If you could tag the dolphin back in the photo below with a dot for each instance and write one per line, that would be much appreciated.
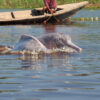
(28, 42)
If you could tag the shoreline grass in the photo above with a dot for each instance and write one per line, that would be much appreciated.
(22, 4)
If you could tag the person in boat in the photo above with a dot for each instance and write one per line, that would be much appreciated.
(50, 6)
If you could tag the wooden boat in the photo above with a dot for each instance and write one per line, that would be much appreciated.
(39, 16)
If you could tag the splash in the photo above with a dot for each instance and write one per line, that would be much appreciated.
(66, 50)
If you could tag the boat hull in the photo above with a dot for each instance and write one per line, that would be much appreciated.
(28, 17)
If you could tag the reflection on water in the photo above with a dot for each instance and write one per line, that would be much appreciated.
(51, 77)
(50, 28)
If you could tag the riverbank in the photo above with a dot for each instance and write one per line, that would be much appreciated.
(22, 4)
(93, 6)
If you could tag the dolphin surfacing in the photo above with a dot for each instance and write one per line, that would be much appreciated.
(46, 43)
(59, 40)
(28, 42)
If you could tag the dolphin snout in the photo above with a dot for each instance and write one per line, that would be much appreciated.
(75, 47)
(78, 49)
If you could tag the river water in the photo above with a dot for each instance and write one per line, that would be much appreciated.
(62, 77)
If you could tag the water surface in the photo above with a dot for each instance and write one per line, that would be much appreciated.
(62, 77)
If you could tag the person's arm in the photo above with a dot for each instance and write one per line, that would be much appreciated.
(46, 4)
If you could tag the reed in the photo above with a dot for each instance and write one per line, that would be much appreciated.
(35, 3)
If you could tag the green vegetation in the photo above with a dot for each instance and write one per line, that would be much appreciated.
(39, 3)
